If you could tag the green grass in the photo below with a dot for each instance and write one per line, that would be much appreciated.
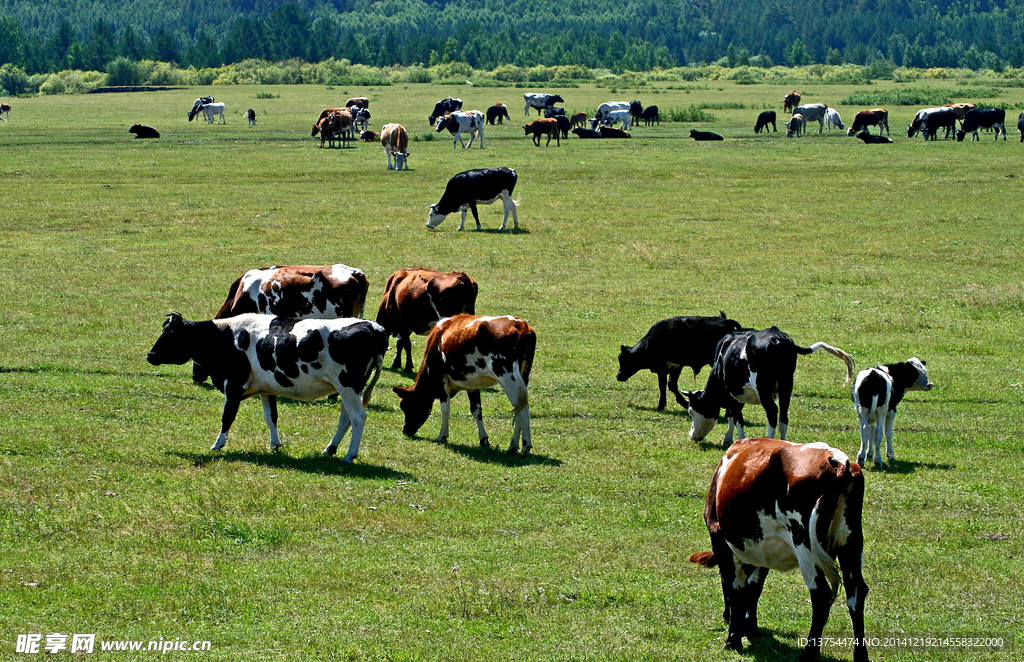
(116, 519)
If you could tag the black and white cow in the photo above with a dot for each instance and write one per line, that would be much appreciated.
(672, 344)
(876, 393)
(942, 118)
(459, 122)
(444, 107)
(982, 118)
(541, 101)
(554, 111)
(269, 356)
(250, 116)
(918, 123)
(197, 106)
(752, 367)
(468, 189)
(763, 120)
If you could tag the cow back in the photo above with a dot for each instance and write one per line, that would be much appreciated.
(298, 292)
(415, 299)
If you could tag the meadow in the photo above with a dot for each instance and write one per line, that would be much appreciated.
(116, 518)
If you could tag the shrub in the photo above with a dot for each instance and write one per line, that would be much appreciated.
(14, 81)
(124, 72)
(690, 114)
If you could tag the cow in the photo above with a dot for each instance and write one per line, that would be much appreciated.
(554, 111)
(250, 116)
(983, 118)
(796, 125)
(197, 105)
(541, 101)
(871, 139)
(813, 112)
(791, 101)
(650, 115)
(590, 133)
(361, 119)
(636, 109)
(704, 135)
(577, 120)
(497, 112)
(611, 132)
(212, 110)
(833, 120)
(940, 118)
(468, 353)
(672, 344)
(876, 393)
(1020, 126)
(5, 109)
(416, 299)
(395, 141)
(358, 102)
(865, 118)
(142, 131)
(369, 137)
(961, 108)
(458, 123)
(752, 367)
(336, 126)
(763, 120)
(468, 189)
(323, 115)
(612, 117)
(921, 118)
(776, 505)
(444, 107)
(268, 356)
(607, 108)
(537, 128)
(563, 125)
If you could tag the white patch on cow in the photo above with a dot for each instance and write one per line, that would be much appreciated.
(342, 272)
(701, 425)
(839, 455)
(749, 393)
(774, 549)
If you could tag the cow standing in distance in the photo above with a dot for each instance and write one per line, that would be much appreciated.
(361, 119)
(796, 125)
(921, 117)
(270, 357)
(468, 353)
(458, 123)
(1020, 126)
(612, 117)
(650, 116)
(876, 394)
(776, 505)
(636, 109)
(672, 344)
(395, 141)
(541, 101)
(197, 105)
(5, 109)
(875, 117)
(358, 102)
(763, 120)
(497, 112)
(578, 120)
(813, 112)
(213, 110)
(605, 110)
(984, 118)
(752, 367)
(444, 107)
(791, 101)
(416, 299)
(468, 189)
(833, 120)
(250, 116)
(547, 126)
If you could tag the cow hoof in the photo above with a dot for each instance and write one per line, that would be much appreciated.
(734, 644)
(331, 450)
(661, 406)
(347, 459)
(485, 442)
(891, 457)
(525, 453)
(408, 369)
(441, 440)
(275, 449)
(860, 460)
(512, 451)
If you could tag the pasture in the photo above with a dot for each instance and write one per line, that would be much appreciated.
(116, 518)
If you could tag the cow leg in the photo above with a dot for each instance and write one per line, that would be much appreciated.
(515, 388)
(673, 385)
(476, 216)
(199, 374)
(734, 415)
(270, 416)
(890, 416)
(477, 410)
(408, 354)
(785, 395)
(662, 382)
(388, 152)
(734, 584)
(771, 410)
(851, 560)
(510, 206)
(227, 417)
(867, 433)
(755, 584)
(462, 223)
(821, 599)
(445, 398)
(352, 412)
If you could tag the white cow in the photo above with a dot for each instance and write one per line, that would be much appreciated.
(395, 141)
(813, 112)
(611, 117)
(833, 120)
(211, 110)
(541, 101)
(459, 122)
(608, 107)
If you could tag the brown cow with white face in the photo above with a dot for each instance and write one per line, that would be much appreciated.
(776, 505)
(416, 299)
(395, 141)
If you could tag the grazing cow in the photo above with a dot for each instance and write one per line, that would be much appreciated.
(212, 110)
(458, 123)
(5, 109)
(921, 118)
(704, 135)
(984, 118)
(197, 105)
(497, 112)
(537, 128)
(142, 131)
(554, 111)
(650, 115)
(872, 139)
(444, 107)
(876, 393)
(865, 118)
(358, 102)
(269, 356)
(961, 108)
(468, 189)
(776, 505)
(416, 299)
(395, 141)
(369, 136)
(796, 125)
(250, 115)
(813, 112)
(590, 133)
(611, 132)
(361, 120)
(763, 120)
(468, 353)
(940, 118)
(612, 117)
(606, 108)
(672, 344)
(833, 120)
(791, 101)
(541, 101)
(752, 367)
(578, 120)
(1020, 126)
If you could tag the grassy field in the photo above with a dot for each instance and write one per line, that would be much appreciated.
(116, 519)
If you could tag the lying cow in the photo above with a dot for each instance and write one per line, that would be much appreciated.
(142, 131)
(468, 353)
(586, 133)
(612, 132)
(752, 367)
(876, 393)
(763, 120)
(875, 117)
(416, 299)
(547, 126)
(395, 141)
(496, 113)
(672, 344)
(269, 356)
(776, 505)
(871, 139)
(704, 135)
(554, 111)
(369, 136)
(458, 123)
(468, 189)
(983, 118)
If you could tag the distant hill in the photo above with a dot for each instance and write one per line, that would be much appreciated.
(42, 35)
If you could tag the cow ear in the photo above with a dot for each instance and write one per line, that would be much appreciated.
(624, 348)
(722, 313)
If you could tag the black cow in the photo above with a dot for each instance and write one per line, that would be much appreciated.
(197, 105)
(590, 133)
(672, 344)
(444, 107)
(650, 115)
(142, 131)
(944, 118)
(704, 135)
(497, 112)
(763, 120)
(554, 111)
(269, 356)
(751, 367)
(876, 393)
(872, 139)
(250, 115)
(984, 118)
(563, 125)
(1020, 126)
(468, 189)
(636, 110)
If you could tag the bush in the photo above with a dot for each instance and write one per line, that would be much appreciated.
(70, 82)
(124, 72)
(510, 73)
(415, 74)
(14, 81)
(917, 96)
(691, 114)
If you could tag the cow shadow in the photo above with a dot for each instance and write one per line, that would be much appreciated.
(770, 648)
(312, 464)
(904, 467)
(680, 413)
(495, 454)
(505, 231)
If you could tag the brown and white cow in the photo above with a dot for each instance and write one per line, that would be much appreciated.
(395, 141)
(468, 353)
(416, 299)
(961, 108)
(791, 101)
(323, 115)
(358, 102)
(776, 505)
(5, 109)
(875, 117)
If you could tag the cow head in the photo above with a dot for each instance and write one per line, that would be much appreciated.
(921, 383)
(554, 98)
(703, 414)
(435, 218)
(628, 364)
(960, 133)
(172, 346)
(415, 406)
(442, 123)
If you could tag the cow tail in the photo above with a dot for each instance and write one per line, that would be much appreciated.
(525, 347)
(225, 310)
(706, 559)
(377, 367)
(822, 559)
(834, 351)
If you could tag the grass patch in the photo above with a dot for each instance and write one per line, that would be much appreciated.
(917, 96)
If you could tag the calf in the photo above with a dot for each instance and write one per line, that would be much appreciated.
(269, 356)
(590, 133)
(876, 393)
(791, 101)
(5, 109)
(468, 189)
(250, 115)
(650, 115)
(468, 353)
(416, 299)
(458, 123)
(752, 367)
(578, 120)
(983, 118)
(796, 125)
(833, 120)
(497, 112)
(537, 128)
(444, 107)
(369, 137)
(361, 119)
(611, 132)
(142, 131)
(776, 505)
(872, 139)
(763, 120)
(672, 344)
(395, 141)
(874, 117)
